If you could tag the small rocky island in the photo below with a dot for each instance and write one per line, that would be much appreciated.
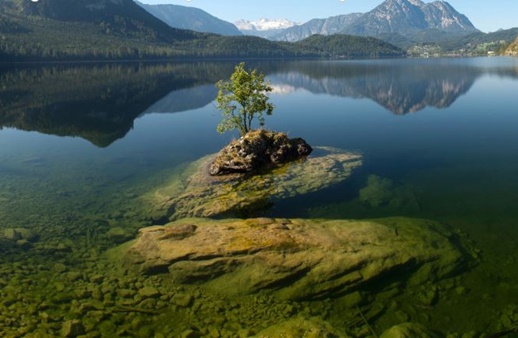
(259, 150)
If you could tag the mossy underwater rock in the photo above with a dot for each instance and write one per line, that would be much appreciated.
(258, 150)
(196, 193)
(383, 192)
(300, 327)
(294, 258)
(409, 330)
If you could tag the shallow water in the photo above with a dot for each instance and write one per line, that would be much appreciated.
(80, 145)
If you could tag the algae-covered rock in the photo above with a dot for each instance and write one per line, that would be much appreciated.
(72, 328)
(383, 192)
(118, 235)
(409, 330)
(295, 259)
(17, 234)
(257, 150)
(196, 193)
(377, 192)
(300, 327)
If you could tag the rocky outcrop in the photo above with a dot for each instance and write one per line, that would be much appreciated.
(258, 150)
(295, 259)
(195, 193)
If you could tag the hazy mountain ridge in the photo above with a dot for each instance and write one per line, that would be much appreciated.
(190, 18)
(329, 26)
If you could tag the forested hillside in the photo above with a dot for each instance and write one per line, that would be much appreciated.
(69, 30)
(348, 46)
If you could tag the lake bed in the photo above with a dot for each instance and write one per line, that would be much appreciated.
(81, 145)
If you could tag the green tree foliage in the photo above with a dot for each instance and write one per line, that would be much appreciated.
(242, 99)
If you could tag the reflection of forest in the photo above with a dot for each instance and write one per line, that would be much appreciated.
(96, 102)
(402, 87)
(100, 102)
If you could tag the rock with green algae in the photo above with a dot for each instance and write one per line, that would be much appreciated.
(294, 258)
(377, 192)
(300, 327)
(195, 193)
(383, 192)
(72, 328)
(16, 234)
(409, 330)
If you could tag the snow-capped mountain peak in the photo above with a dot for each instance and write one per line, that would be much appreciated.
(264, 24)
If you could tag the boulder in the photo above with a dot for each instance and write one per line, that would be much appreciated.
(196, 193)
(294, 258)
(258, 150)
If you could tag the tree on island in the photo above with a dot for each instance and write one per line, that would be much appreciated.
(242, 99)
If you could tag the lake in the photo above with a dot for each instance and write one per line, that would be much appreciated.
(79, 145)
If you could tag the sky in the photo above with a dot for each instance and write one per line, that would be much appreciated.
(486, 15)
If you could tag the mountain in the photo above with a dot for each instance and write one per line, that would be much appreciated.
(264, 24)
(413, 19)
(327, 26)
(123, 17)
(74, 30)
(109, 30)
(190, 18)
(265, 28)
(401, 22)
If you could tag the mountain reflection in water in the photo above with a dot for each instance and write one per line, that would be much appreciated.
(401, 88)
(100, 102)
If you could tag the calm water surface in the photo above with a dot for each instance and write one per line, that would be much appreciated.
(80, 144)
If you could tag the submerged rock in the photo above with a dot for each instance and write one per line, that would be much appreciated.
(295, 259)
(379, 191)
(195, 193)
(300, 327)
(257, 150)
(72, 328)
(409, 330)
(382, 192)
(18, 234)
